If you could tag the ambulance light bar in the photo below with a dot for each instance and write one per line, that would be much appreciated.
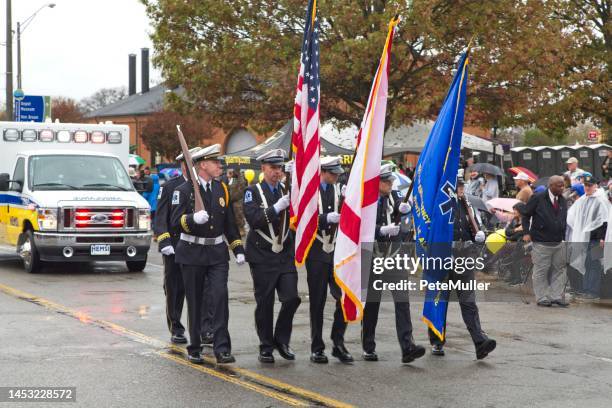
(61, 136)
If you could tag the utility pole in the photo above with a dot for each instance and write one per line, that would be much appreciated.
(9, 62)
(19, 55)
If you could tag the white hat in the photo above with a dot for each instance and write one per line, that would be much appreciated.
(274, 156)
(207, 153)
(192, 151)
(386, 171)
(571, 160)
(521, 176)
(332, 164)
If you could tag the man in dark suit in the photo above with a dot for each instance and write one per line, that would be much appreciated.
(269, 251)
(544, 220)
(390, 205)
(167, 238)
(203, 253)
(320, 266)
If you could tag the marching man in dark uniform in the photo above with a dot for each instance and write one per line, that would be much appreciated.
(203, 253)
(320, 266)
(465, 230)
(387, 232)
(269, 251)
(167, 238)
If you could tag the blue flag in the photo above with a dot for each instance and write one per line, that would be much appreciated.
(435, 182)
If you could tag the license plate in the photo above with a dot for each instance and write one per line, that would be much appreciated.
(100, 249)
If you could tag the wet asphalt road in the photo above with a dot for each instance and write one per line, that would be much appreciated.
(102, 330)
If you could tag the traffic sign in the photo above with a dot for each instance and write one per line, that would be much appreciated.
(33, 108)
(593, 136)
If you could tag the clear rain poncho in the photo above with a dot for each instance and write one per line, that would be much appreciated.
(586, 215)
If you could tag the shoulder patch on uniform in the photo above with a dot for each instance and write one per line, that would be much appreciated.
(248, 196)
(176, 197)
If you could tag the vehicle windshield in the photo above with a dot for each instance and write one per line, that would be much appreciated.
(73, 172)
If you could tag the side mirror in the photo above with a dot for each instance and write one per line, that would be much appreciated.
(4, 181)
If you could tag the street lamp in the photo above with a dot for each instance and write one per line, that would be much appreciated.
(21, 26)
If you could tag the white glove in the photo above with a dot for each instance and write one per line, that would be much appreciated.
(343, 191)
(201, 217)
(333, 217)
(282, 203)
(480, 236)
(404, 208)
(390, 230)
(289, 167)
(240, 259)
(167, 250)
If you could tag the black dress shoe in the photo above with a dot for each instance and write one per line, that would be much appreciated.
(207, 339)
(560, 303)
(178, 339)
(545, 303)
(266, 357)
(319, 357)
(342, 354)
(370, 356)
(195, 358)
(285, 351)
(415, 351)
(437, 350)
(225, 358)
(483, 349)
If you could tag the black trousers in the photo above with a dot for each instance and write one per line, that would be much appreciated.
(175, 294)
(268, 279)
(194, 277)
(469, 310)
(403, 324)
(207, 310)
(320, 275)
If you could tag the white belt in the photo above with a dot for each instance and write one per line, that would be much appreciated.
(200, 240)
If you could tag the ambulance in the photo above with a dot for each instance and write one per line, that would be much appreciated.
(65, 195)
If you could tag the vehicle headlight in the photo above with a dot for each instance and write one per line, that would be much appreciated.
(47, 219)
(144, 219)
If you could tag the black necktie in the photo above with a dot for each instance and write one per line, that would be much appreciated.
(207, 195)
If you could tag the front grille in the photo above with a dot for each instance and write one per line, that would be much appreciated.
(98, 219)
(99, 240)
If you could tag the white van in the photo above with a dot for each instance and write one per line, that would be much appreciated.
(65, 195)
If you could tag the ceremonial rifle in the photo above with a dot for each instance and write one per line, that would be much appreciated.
(199, 203)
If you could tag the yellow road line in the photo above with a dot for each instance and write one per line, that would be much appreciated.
(253, 381)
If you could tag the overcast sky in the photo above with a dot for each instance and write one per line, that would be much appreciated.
(77, 47)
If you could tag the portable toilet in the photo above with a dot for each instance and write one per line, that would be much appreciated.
(547, 161)
(525, 157)
(600, 153)
(564, 153)
(585, 158)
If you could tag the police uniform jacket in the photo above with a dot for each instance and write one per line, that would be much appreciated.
(386, 213)
(258, 249)
(221, 222)
(166, 235)
(328, 201)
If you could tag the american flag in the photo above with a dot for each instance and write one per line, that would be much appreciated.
(306, 142)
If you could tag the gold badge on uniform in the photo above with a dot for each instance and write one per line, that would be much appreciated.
(221, 201)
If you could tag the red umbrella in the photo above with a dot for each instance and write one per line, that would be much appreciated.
(516, 170)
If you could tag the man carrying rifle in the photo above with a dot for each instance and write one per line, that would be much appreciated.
(320, 266)
(203, 253)
(167, 238)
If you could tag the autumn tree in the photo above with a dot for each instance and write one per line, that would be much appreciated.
(238, 60)
(159, 133)
(583, 88)
(102, 98)
(66, 110)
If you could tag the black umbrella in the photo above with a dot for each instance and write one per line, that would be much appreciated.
(487, 168)
(542, 181)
